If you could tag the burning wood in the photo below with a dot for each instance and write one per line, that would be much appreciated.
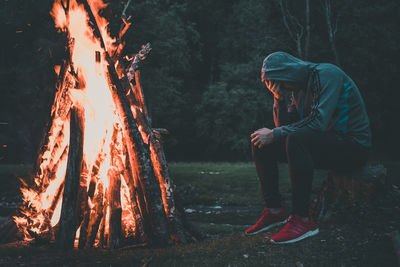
(101, 175)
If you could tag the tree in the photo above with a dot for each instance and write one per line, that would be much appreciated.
(296, 29)
(331, 24)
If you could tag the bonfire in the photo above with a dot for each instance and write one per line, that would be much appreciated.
(101, 177)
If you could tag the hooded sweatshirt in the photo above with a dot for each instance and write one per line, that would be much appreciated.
(330, 101)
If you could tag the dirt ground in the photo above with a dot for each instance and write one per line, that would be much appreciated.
(221, 200)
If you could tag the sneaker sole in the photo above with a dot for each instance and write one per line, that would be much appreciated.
(308, 234)
(267, 227)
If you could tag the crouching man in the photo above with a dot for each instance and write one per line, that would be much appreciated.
(321, 122)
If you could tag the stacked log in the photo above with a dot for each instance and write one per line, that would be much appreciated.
(66, 234)
(91, 207)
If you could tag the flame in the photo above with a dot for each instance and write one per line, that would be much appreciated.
(104, 169)
(41, 206)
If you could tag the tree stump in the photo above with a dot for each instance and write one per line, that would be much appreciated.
(340, 188)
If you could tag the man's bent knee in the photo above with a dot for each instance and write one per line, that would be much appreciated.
(267, 151)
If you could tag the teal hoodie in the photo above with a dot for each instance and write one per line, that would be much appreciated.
(335, 105)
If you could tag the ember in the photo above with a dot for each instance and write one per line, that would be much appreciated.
(101, 177)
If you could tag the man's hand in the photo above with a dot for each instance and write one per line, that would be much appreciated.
(262, 137)
(275, 88)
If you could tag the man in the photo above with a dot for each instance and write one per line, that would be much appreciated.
(325, 125)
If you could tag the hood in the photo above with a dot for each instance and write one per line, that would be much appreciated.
(281, 66)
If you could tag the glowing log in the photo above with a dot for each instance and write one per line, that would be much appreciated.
(138, 152)
(137, 201)
(67, 231)
(157, 153)
(114, 238)
(122, 193)
(52, 129)
(96, 215)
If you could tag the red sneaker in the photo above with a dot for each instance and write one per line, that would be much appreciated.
(267, 221)
(295, 230)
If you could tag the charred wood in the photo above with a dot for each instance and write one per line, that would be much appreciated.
(62, 85)
(114, 238)
(96, 216)
(137, 201)
(66, 235)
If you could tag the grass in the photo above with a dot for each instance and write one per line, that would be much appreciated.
(223, 199)
(226, 183)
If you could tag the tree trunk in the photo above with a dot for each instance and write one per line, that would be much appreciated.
(331, 30)
(365, 184)
(308, 31)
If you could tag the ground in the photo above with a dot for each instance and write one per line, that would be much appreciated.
(221, 200)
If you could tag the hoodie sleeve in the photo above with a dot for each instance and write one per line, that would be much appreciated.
(326, 98)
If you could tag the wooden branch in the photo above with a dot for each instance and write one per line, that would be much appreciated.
(138, 204)
(114, 193)
(84, 227)
(137, 59)
(103, 238)
(65, 7)
(51, 129)
(67, 231)
(160, 165)
(93, 23)
(126, 23)
(114, 238)
(96, 215)
(140, 164)
(162, 131)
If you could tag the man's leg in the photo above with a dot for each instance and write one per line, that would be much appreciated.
(266, 161)
(306, 149)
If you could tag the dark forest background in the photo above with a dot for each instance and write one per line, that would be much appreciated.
(202, 79)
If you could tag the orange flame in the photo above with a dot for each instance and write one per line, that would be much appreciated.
(41, 206)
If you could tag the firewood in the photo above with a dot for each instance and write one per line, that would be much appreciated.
(59, 152)
(66, 235)
(114, 238)
(61, 86)
(139, 158)
(160, 167)
(84, 228)
(138, 153)
(96, 215)
(137, 201)
(82, 194)
(161, 131)
(102, 237)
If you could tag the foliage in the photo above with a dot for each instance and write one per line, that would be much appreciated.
(202, 79)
